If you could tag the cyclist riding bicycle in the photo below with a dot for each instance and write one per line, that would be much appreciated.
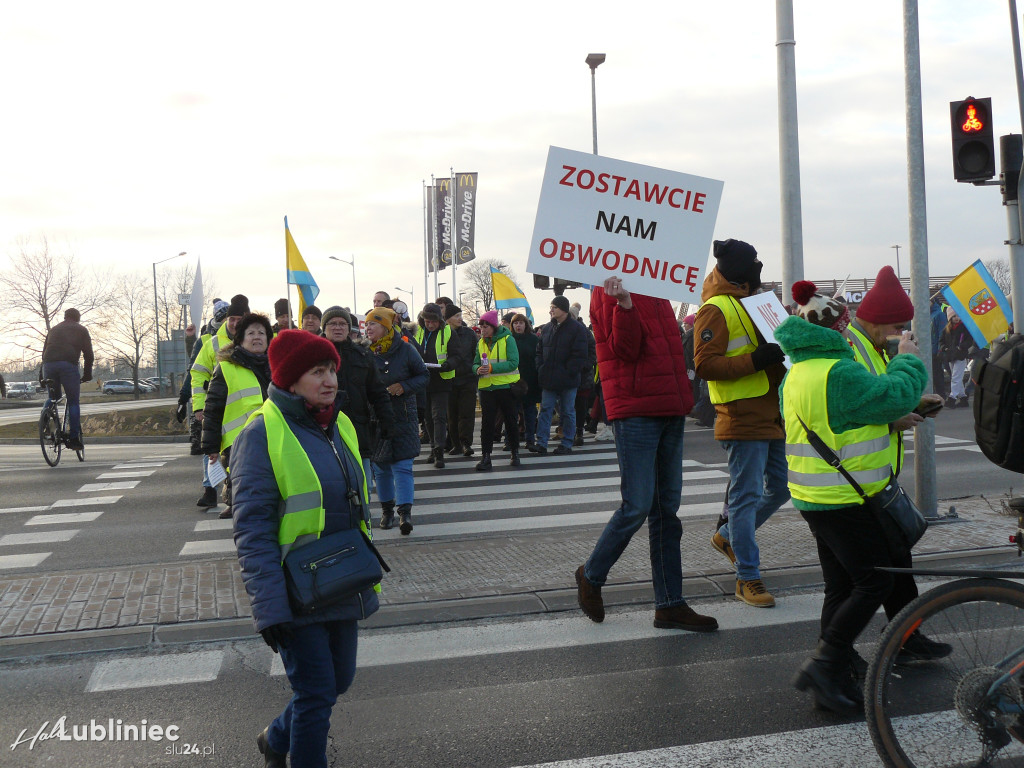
(65, 344)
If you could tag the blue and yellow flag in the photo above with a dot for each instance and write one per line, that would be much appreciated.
(508, 295)
(980, 303)
(298, 272)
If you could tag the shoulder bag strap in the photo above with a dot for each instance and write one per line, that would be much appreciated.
(831, 457)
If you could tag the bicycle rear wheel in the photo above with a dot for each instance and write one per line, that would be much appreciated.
(79, 452)
(936, 713)
(49, 437)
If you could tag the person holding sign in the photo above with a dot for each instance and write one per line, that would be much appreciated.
(743, 373)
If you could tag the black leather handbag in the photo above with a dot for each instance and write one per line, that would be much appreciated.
(331, 569)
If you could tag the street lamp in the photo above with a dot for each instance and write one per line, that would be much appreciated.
(156, 317)
(897, 260)
(412, 299)
(353, 265)
(593, 61)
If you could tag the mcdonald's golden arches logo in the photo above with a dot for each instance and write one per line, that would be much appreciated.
(467, 180)
(443, 184)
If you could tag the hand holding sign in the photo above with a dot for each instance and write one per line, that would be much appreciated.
(613, 287)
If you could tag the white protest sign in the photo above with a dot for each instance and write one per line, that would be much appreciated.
(599, 217)
(767, 312)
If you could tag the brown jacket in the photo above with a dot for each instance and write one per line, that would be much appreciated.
(754, 418)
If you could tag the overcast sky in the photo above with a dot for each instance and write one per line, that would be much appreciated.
(134, 131)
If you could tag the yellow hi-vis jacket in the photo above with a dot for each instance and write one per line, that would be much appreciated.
(496, 354)
(742, 341)
(444, 335)
(244, 397)
(206, 361)
(868, 355)
(864, 452)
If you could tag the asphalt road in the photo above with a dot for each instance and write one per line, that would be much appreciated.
(30, 413)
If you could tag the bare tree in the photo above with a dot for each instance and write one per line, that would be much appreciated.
(1000, 271)
(39, 285)
(476, 277)
(128, 326)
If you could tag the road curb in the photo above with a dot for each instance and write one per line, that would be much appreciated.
(112, 440)
(696, 586)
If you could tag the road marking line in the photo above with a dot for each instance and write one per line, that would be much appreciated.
(204, 526)
(149, 671)
(13, 510)
(40, 537)
(85, 502)
(23, 561)
(121, 486)
(115, 475)
(67, 518)
(215, 547)
(139, 465)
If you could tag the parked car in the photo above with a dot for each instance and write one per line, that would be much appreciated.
(20, 389)
(124, 386)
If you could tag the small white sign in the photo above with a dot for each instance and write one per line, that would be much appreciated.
(217, 473)
(599, 217)
(767, 312)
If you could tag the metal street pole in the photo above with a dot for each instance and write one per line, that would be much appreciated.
(898, 273)
(594, 60)
(1016, 247)
(412, 299)
(924, 433)
(156, 324)
(353, 265)
(789, 150)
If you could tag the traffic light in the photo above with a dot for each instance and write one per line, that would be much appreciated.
(561, 285)
(973, 151)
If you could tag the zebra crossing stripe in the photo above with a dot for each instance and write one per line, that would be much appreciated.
(150, 671)
(29, 560)
(121, 475)
(87, 502)
(37, 537)
(67, 518)
(124, 485)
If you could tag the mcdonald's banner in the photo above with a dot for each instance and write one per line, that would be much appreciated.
(465, 216)
(980, 303)
(429, 234)
(298, 272)
(443, 218)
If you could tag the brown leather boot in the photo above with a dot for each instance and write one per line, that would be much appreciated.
(683, 617)
(589, 597)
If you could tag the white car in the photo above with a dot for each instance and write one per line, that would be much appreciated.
(20, 389)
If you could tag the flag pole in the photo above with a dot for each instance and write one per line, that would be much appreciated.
(287, 291)
(426, 243)
(455, 236)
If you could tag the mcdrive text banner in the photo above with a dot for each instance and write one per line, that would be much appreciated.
(443, 200)
(465, 216)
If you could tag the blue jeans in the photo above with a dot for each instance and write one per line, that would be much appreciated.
(65, 375)
(566, 401)
(394, 481)
(320, 661)
(650, 452)
(757, 487)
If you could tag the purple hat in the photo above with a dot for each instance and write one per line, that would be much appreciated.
(491, 318)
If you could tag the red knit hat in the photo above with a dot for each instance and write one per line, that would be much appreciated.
(293, 352)
(886, 302)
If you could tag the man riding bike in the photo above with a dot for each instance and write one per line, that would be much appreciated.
(65, 344)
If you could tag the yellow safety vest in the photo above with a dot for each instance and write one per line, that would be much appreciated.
(302, 507)
(444, 335)
(206, 361)
(867, 355)
(864, 451)
(244, 397)
(496, 354)
(742, 341)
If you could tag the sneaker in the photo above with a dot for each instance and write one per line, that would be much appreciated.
(753, 593)
(562, 450)
(722, 545)
(950, 402)
(604, 432)
(74, 444)
(920, 648)
(683, 617)
(589, 597)
(541, 449)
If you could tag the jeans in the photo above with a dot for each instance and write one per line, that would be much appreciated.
(368, 472)
(529, 411)
(566, 401)
(758, 486)
(320, 661)
(394, 481)
(65, 375)
(650, 452)
(956, 378)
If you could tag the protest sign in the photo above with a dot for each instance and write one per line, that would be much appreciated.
(767, 312)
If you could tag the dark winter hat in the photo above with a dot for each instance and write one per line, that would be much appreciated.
(561, 302)
(293, 352)
(239, 306)
(253, 318)
(491, 318)
(451, 311)
(312, 309)
(72, 314)
(507, 317)
(886, 302)
(220, 310)
(818, 309)
(280, 307)
(332, 312)
(736, 261)
(432, 312)
(382, 316)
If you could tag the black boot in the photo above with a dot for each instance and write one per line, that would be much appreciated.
(387, 516)
(515, 462)
(439, 458)
(827, 674)
(208, 499)
(405, 519)
(430, 457)
(484, 465)
(271, 759)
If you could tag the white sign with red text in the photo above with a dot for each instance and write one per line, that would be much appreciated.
(767, 312)
(599, 217)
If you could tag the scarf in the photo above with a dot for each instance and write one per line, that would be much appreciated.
(321, 416)
(381, 347)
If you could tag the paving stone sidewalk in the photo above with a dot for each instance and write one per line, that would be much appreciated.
(528, 571)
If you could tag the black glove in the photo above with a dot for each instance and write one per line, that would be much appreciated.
(765, 355)
(180, 413)
(277, 636)
(86, 377)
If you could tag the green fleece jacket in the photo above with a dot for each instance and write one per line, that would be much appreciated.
(856, 397)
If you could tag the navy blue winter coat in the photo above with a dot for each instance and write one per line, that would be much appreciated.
(562, 354)
(403, 365)
(255, 504)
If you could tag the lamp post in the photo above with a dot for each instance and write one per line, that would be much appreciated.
(412, 298)
(594, 60)
(353, 265)
(156, 318)
(897, 260)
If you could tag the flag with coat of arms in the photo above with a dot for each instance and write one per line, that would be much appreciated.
(980, 303)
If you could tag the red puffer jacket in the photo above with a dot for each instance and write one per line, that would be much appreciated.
(640, 357)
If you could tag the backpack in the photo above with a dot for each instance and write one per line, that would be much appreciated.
(999, 404)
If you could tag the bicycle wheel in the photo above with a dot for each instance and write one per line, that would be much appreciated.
(937, 713)
(79, 452)
(49, 436)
